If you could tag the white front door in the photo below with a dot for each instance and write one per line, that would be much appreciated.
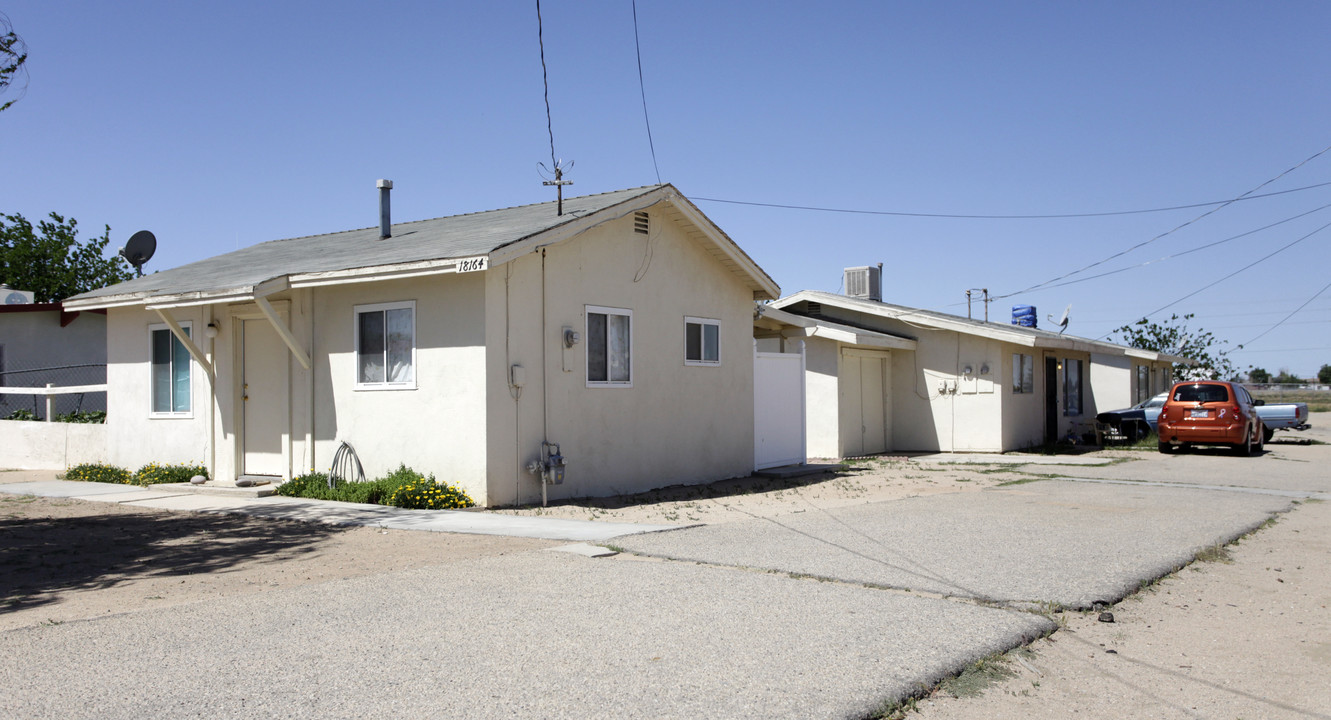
(263, 389)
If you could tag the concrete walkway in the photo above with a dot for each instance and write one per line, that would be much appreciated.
(336, 513)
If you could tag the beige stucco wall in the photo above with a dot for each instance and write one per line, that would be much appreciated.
(433, 428)
(677, 424)
(28, 445)
(133, 438)
(822, 370)
(1112, 383)
(1023, 413)
(438, 427)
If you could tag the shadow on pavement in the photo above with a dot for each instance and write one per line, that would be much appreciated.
(42, 556)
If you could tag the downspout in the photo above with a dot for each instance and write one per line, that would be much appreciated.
(545, 378)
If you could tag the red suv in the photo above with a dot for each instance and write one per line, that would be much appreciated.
(1210, 412)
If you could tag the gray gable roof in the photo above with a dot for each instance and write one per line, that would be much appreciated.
(1031, 337)
(445, 238)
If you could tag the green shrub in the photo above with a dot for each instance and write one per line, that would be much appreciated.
(403, 488)
(99, 472)
(428, 494)
(93, 417)
(22, 414)
(155, 474)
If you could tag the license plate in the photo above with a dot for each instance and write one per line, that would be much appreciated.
(1200, 413)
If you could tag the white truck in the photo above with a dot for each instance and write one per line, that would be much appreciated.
(1284, 416)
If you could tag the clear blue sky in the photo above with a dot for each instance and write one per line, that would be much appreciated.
(225, 124)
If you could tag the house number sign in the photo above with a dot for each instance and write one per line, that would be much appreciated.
(473, 264)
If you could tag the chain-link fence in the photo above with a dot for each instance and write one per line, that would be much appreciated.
(33, 407)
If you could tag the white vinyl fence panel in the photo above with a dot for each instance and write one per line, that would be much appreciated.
(778, 409)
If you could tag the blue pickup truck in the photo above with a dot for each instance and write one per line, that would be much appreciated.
(1139, 421)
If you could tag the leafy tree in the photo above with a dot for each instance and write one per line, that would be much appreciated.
(1324, 374)
(54, 265)
(1285, 376)
(1173, 338)
(13, 55)
(1258, 375)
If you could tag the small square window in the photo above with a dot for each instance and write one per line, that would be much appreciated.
(169, 388)
(386, 346)
(609, 347)
(702, 341)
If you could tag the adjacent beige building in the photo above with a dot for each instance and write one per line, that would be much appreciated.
(620, 331)
(882, 377)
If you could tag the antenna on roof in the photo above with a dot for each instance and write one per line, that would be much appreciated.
(139, 250)
(1062, 322)
(559, 182)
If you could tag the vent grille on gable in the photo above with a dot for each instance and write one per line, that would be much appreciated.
(815, 309)
(640, 221)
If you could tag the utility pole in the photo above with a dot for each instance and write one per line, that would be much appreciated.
(559, 182)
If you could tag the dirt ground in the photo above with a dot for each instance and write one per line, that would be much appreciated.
(865, 480)
(1243, 635)
(63, 560)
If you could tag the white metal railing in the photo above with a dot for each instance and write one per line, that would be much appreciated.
(51, 392)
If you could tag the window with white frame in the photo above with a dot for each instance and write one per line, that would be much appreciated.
(609, 347)
(386, 346)
(1023, 373)
(1072, 386)
(702, 341)
(169, 386)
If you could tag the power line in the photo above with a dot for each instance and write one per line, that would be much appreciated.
(1282, 320)
(637, 46)
(1303, 349)
(1175, 255)
(961, 216)
(1236, 272)
(1212, 211)
(545, 79)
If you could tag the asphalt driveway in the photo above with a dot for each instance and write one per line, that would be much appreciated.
(1055, 542)
(536, 634)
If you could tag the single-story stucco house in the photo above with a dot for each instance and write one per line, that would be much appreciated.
(620, 330)
(882, 377)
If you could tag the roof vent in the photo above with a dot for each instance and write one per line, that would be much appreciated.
(814, 309)
(865, 282)
(640, 221)
(385, 219)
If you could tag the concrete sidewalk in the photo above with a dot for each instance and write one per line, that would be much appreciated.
(336, 513)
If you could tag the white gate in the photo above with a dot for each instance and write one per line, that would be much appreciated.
(778, 409)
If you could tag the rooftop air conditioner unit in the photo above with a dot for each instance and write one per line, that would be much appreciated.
(865, 282)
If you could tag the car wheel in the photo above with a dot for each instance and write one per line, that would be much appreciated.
(1267, 434)
(1166, 448)
(1260, 441)
(1244, 448)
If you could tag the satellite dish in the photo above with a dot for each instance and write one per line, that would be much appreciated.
(1062, 322)
(139, 249)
